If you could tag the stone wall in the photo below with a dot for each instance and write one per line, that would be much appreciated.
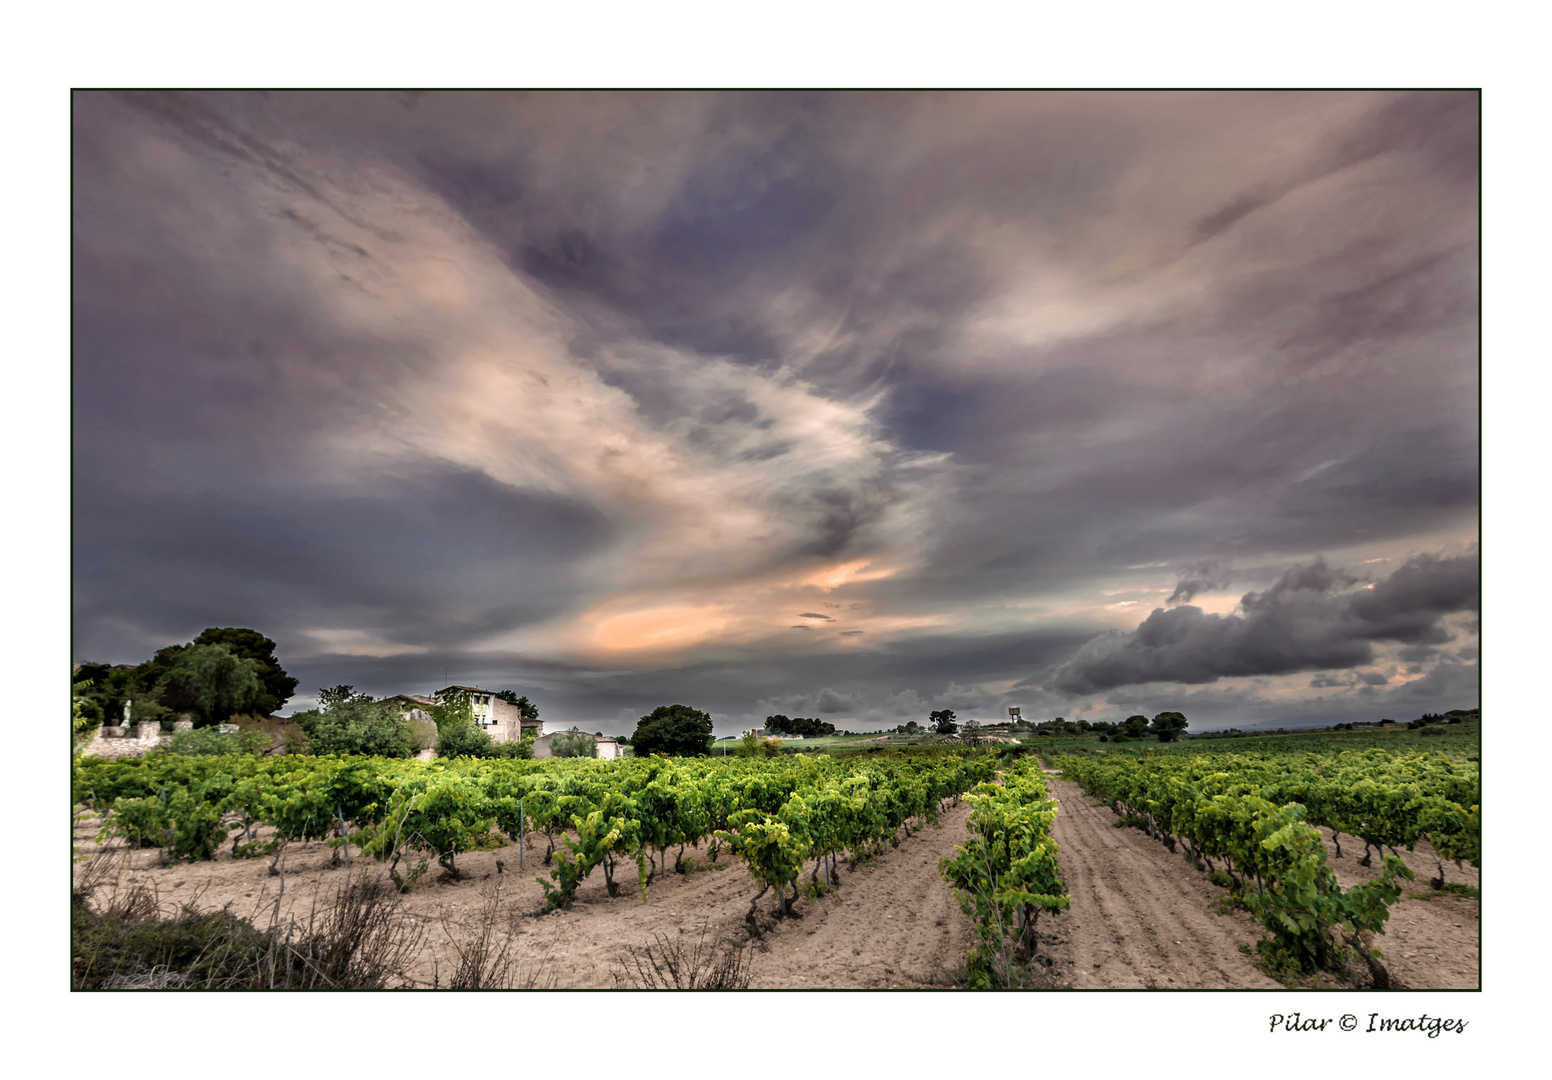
(117, 742)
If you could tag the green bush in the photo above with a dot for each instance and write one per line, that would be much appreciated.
(569, 744)
(205, 741)
(465, 740)
(521, 750)
(357, 724)
(423, 735)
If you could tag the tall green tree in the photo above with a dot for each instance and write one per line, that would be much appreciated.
(1168, 726)
(340, 694)
(111, 685)
(943, 720)
(210, 682)
(1135, 726)
(252, 645)
(675, 730)
(528, 709)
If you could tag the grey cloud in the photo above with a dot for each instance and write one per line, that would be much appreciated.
(322, 557)
(1349, 680)
(199, 119)
(1225, 216)
(1303, 622)
(1308, 384)
(1199, 577)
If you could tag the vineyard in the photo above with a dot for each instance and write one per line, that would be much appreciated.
(757, 844)
(1258, 814)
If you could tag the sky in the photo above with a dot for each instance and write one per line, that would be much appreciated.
(846, 405)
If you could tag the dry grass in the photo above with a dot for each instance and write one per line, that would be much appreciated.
(484, 951)
(124, 937)
(669, 964)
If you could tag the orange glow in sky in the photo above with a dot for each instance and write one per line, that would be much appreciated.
(659, 628)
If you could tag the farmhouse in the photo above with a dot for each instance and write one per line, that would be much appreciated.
(497, 717)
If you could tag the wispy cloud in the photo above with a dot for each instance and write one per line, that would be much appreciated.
(596, 392)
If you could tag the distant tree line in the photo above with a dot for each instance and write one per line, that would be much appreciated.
(798, 725)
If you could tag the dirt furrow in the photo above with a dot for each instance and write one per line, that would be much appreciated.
(1139, 916)
(894, 923)
(1143, 917)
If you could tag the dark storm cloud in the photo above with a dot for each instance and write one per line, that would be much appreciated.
(433, 560)
(1306, 621)
(422, 372)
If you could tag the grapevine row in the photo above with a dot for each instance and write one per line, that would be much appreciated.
(775, 814)
(1006, 874)
(1229, 810)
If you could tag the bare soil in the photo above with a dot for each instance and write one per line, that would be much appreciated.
(1143, 917)
(892, 924)
(1139, 916)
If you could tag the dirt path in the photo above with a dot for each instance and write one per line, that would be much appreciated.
(1142, 917)
(1139, 916)
(894, 923)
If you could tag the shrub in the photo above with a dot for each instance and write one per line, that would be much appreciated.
(751, 745)
(464, 740)
(573, 743)
(667, 964)
(423, 735)
(521, 750)
(360, 940)
(358, 725)
(206, 741)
